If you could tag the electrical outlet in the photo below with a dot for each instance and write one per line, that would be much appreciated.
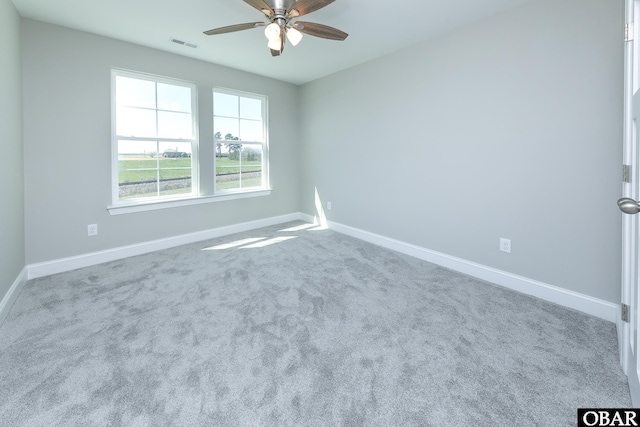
(328, 206)
(92, 230)
(505, 245)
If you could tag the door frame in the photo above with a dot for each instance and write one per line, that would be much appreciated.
(627, 331)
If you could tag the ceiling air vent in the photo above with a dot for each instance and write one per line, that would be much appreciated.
(183, 43)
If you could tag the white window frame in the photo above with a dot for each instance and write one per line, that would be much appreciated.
(115, 138)
(202, 168)
(264, 144)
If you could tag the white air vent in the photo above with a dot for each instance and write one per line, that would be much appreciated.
(183, 43)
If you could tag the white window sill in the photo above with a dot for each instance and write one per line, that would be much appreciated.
(142, 206)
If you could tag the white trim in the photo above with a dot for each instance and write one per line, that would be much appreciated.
(308, 218)
(627, 334)
(124, 208)
(12, 294)
(71, 263)
(622, 332)
(574, 300)
(628, 361)
(634, 384)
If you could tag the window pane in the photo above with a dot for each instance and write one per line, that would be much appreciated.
(174, 125)
(137, 169)
(174, 98)
(171, 183)
(251, 166)
(135, 92)
(135, 122)
(225, 105)
(240, 167)
(251, 130)
(250, 108)
(226, 129)
(138, 148)
(175, 150)
(228, 169)
(175, 168)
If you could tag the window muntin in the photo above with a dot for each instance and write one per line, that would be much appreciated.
(239, 125)
(154, 137)
(155, 144)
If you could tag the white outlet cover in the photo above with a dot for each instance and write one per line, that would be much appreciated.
(505, 245)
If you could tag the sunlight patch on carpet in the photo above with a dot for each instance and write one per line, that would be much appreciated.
(297, 228)
(269, 242)
(235, 244)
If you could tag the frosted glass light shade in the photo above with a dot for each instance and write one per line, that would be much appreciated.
(294, 36)
(272, 31)
(275, 44)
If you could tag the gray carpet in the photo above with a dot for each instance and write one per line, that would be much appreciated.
(301, 328)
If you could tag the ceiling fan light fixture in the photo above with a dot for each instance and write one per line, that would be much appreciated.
(275, 44)
(272, 32)
(294, 36)
(278, 28)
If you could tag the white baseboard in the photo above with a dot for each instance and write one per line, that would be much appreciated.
(71, 263)
(584, 303)
(574, 300)
(12, 294)
(308, 218)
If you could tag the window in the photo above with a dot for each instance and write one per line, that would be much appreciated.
(158, 160)
(239, 126)
(154, 137)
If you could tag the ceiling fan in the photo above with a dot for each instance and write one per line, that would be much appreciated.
(280, 13)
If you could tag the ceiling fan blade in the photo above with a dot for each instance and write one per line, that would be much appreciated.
(233, 28)
(302, 7)
(261, 5)
(319, 30)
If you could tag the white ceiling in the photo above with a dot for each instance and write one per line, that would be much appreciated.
(375, 28)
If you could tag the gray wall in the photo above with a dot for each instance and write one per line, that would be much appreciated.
(511, 127)
(67, 143)
(483, 133)
(12, 258)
